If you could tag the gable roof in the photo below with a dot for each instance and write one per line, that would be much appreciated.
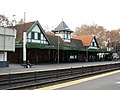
(86, 40)
(26, 27)
(62, 27)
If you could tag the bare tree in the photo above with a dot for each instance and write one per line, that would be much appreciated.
(96, 30)
(104, 37)
(4, 21)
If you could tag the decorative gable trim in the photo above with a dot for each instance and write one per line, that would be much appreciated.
(41, 30)
(93, 44)
(87, 40)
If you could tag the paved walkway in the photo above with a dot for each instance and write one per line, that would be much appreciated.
(17, 68)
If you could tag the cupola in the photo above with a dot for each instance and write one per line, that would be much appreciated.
(63, 31)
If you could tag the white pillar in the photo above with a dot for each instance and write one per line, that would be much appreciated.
(3, 56)
(24, 46)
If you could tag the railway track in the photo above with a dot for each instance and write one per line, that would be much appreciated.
(13, 81)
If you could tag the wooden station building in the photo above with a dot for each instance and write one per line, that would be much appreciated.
(61, 47)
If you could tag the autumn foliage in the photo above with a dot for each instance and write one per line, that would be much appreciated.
(104, 37)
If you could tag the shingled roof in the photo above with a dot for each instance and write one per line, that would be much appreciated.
(54, 40)
(86, 40)
(62, 27)
(74, 42)
(77, 43)
(22, 28)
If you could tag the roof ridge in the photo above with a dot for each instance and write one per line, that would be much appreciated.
(26, 23)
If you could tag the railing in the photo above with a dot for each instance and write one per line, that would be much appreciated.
(22, 80)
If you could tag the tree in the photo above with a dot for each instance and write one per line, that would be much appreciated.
(115, 40)
(104, 37)
(4, 21)
(94, 29)
(21, 22)
(48, 30)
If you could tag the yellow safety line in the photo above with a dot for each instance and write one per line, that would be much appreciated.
(76, 81)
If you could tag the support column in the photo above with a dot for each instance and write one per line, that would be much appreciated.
(3, 59)
(24, 47)
(49, 55)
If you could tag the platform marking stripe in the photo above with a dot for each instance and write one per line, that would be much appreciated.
(76, 81)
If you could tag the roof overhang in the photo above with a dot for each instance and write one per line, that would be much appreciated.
(67, 48)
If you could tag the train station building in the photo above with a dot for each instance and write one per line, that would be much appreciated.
(60, 47)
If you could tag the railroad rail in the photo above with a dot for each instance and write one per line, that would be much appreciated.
(14, 81)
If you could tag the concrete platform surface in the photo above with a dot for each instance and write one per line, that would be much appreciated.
(17, 68)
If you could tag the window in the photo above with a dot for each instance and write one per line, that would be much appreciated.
(67, 34)
(36, 35)
(32, 35)
(39, 36)
(42, 36)
(93, 44)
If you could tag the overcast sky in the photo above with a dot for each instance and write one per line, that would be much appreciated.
(74, 12)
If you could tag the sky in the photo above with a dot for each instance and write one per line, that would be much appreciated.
(75, 13)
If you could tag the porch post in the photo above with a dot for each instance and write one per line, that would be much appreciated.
(24, 47)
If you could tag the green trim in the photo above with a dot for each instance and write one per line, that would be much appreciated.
(71, 48)
(99, 51)
(67, 48)
(43, 46)
(38, 45)
(41, 30)
(18, 45)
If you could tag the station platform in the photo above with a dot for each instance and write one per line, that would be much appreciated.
(17, 68)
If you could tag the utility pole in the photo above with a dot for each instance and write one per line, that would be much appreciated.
(58, 46)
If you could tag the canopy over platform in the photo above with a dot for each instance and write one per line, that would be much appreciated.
(70, 48)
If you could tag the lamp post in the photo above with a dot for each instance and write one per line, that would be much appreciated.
(86, 54)
(4, 46)
(108, 45)
(58, 47)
